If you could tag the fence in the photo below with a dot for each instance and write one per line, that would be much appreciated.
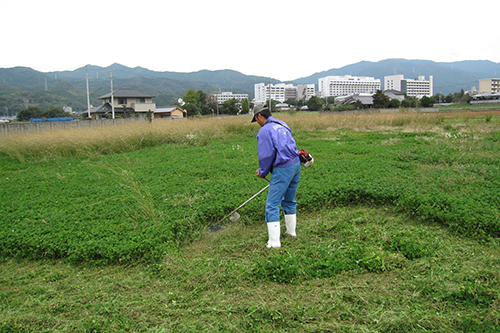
(9, 128)
(368, 111)
(485, 102)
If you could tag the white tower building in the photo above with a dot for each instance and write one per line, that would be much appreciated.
(276, 92)
(347, 85)
(411, 87)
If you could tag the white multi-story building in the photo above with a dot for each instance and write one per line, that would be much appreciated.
(347, 85)
(228, 95)
(411, 87)
(306, 91)
(265, 92)
(393, 82)
(419, 87)
(281, 92)
(489, 85)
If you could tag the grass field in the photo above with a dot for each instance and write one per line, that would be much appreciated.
(109, 230)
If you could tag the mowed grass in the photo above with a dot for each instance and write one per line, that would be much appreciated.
(211, 284)
(356, 265)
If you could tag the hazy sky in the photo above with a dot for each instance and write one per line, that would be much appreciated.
(275, 38)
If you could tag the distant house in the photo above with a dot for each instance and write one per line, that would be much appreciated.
(366, 99)
(485, 99)
(127, 103)
(395, 94)
(282, 106)
(172, 111)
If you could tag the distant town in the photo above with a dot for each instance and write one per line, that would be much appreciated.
(359, 89)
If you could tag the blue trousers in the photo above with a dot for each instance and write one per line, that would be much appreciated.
(282, 190)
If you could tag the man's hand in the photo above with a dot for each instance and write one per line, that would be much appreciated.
(257, 173)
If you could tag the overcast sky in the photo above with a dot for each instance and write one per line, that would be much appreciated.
(281, 39)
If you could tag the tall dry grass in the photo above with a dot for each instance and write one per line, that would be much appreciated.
(365, 122)
(108, 139)
(133, 136)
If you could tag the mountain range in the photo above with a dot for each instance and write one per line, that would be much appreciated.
(21, 87)
(449, 77)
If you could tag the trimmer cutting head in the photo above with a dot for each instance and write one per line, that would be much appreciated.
(234, 217)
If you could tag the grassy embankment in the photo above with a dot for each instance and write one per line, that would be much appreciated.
(398, 228)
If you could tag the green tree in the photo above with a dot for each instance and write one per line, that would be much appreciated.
(202, 103)
(381, 100)
(273, 104)
(202, 97)
(409, 102)
(36, 112)
(246, 106)
(358, 105)
(343, 107)
(196, 103)
(54, 112)
(149, 115)
(191, 109)
(191, 96)
(395, 103)
(314, 103)
(206, 109)
(30, 112)
(328, 107)
(426, 101)
(230, 107)
(459, 95)
(437, 98)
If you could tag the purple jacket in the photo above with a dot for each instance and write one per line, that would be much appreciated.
(276, 146)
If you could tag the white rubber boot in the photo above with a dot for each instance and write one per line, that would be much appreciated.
(273, 228)
(291, 223)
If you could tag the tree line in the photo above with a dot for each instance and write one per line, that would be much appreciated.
(36, 112)
(197, 102)
(380, 101)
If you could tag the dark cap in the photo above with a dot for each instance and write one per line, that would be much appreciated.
(262, 109)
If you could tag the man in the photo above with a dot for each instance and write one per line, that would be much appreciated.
(279, 155)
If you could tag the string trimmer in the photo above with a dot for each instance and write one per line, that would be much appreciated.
(234, 215)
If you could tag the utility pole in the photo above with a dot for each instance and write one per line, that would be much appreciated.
(112, 100)
(269, 96)
(217, 102)
(88, 97)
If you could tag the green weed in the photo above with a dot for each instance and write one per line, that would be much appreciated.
(130, 194)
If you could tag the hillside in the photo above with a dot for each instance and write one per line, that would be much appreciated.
(21, 87)
(220, 79)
